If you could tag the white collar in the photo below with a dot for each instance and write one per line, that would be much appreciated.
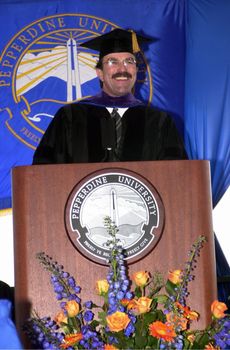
(121, 111)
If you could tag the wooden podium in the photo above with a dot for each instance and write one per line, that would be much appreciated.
(40, 194)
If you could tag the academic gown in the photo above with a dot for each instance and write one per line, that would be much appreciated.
(85, 133)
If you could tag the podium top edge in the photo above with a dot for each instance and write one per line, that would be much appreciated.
(120, 165)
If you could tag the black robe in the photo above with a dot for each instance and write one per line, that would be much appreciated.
(84, 133)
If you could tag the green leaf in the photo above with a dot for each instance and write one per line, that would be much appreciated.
(170, 288)
(94, 324)
(202, 339)
(139, 326)
(74, 322)
(138, 292)
(102, 315)
(156, 315)
(154, 291)
(154, 304)
(196, 345)
(129, 343)
(150, 317)
(161, 299)
(153, 343)
(140, 342)
(186, 344)
(122, 340)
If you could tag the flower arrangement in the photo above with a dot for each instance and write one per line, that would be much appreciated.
(152, 316)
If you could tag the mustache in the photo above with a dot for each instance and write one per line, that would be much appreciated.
(122, 74)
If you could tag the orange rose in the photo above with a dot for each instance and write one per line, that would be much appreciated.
(117, 321)
(110, 347)
(142, 305)
(162, 330)
(131, 304)
(102, 287)
(175, 276)
(70, 340)
(140, 278)
(218, 309)
(211, 347)
(72, 308)
(61, 317)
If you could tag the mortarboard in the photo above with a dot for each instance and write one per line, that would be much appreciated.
(118, 40)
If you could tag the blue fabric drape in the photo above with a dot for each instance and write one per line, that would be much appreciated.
(207, 101)
(207, 92)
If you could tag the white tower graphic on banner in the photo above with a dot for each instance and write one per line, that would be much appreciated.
(73, 75)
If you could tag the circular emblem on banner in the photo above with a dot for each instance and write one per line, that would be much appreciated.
(132, 203)
(44, 66)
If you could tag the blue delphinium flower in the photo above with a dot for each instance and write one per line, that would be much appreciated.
(64, 285)
(44, 333)
(88, 304)
(90, 338)
(117, 277)
(187, 275)
(222, 338)
(129, 329)
(88, 316)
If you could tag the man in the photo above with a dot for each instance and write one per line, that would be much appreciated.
(112, 125)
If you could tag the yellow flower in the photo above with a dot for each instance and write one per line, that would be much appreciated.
(61, 317)
(218, 309)
(140, 278)
(71, 339)
(117, 321)
(175, 276)
(72, 308)
(191, 338)
(192, 315)
(142, 305)
(162, 330)
(102, 287)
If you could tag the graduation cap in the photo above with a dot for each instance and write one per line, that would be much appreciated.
(118, 40)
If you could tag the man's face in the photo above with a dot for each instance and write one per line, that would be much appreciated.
(118, 73)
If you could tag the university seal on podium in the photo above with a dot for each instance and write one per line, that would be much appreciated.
(132, 203)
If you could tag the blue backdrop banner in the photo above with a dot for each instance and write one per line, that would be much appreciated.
(42, 66)
(207, 102)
